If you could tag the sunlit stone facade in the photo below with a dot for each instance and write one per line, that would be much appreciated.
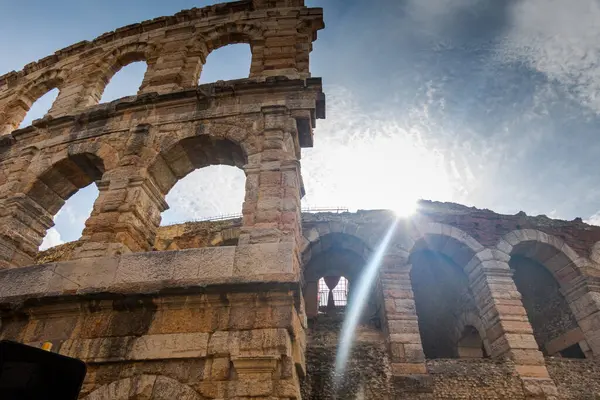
(467, 303)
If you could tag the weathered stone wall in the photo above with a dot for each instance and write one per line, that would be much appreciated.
(474, 379)
(575, 379)
(547, 309)
(219, 345)
(218, 310)
(368, 374)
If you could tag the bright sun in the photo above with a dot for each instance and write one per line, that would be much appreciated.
(405, 207)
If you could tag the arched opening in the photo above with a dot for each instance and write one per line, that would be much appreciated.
(554, 326)
(53, 189)
(69, 221)
(470, 344)
(215, 191)
(331, 264)
(442, 297)
(39, 108)
(200, 192)
(226, 63)
(124, 79)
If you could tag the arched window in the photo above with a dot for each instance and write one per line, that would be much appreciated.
(442, 295)
(39, 108)
(470, 344)
(126, 82)
(227, 63)
(70, 219)
(554, 326)
(50, 193)
(200, 193)
(215, 191)
(331, 266)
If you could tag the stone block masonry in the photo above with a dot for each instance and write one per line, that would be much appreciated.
(468, 304)
(216, 323)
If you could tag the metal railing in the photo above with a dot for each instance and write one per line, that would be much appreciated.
(225, 217)
(340, 298)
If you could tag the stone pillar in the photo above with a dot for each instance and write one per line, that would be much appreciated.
(271, 210)
(23, 224)
(68, 100)
(176, 67)
(583, 297)
(311, 299)
(126, 214)
(507, 327)
(402, 325)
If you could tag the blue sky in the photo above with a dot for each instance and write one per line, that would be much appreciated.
(488, 103)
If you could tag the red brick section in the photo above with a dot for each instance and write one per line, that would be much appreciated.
(487, 227)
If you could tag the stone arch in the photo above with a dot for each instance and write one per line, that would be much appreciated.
(467, 326)
(235, 134)
(63, 178)
(452, 242)
(105, 153)
(230, 33)
(226, 34)
(335, 254)
(444, 301)
(16, 110)
(111, 63)
(313, 235)
(178, 159)
(548, 250)
(47, 184)
(152, 387)
(334, 245)
(544, 268)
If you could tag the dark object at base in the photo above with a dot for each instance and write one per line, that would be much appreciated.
(28, 373)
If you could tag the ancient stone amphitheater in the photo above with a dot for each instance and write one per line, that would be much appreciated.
(468, 304)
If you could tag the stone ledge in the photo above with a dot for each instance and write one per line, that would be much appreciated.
(149, 347)
(151, 272)
(206, 94)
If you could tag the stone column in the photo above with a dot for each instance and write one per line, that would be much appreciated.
(402, 325)
(23, 224)
(126, 214)
(175, 68)
(507, 327)
(69, 98)
(583, 297)
(311, 293)
(271, 210)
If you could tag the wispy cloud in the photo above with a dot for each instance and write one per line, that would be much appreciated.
(51, 239)
(561, 39)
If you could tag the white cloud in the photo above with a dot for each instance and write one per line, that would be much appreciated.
(561, 39)
(207, 192)
(51, 239)
(594, 219)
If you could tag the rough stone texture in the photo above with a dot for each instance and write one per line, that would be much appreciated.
(196, 345)
(368, 373)
(575, 379)
(474, 379)
(220, 310)
(547, 309)
(213, 322)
